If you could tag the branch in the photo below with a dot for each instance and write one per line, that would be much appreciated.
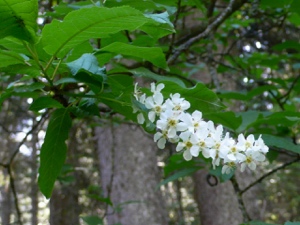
(174, 34)
(25, 138)
(246, 217)
(232, 7)
(268, 174)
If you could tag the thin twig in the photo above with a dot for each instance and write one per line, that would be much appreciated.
(174, 34)
(268, 174)
(26, 136)
(246, 217)
(214, 25)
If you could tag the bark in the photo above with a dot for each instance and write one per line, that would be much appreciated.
(218, 205)
(6, 202)
(129, 174)
(64, 204)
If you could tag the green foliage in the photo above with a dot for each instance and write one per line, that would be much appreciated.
(92, 220)
(62, 66)
(59, 38)
(54, 150)
(18, 19)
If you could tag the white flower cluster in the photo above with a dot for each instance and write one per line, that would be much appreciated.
(193, 135)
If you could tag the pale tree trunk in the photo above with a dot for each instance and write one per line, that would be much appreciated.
(130, 175)
(218, 205)
(34, 187)
(6, 201)
(64, 204)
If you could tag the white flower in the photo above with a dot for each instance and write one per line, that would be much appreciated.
(140, 118)
(259, 145)
(169, 120)
(200, 139)
(245, 144)
(161, 138)
(185, 144)
(155, 104)
(228, 167)
(176, 103)
(251, 157)
(156, 89)
(192, 122)
(139, 96)
(231, 153)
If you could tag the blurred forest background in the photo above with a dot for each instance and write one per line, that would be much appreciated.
(247, 51)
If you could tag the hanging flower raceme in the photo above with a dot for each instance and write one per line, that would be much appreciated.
(193, 135)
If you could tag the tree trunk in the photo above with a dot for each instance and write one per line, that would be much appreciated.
(5, 202)
(218, 205)
(34, 187)
(64, 205)
(130, 175)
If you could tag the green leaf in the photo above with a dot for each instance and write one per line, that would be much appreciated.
(43, 103)
(179, 174)
(143, 72)
(218, 173)
(292, 223)
(248, 118)
(8, 58)
(177, 162)
(200, 97)
(281, 142)
(54, 150)
(158, 26)
(118, 95)
(154, 55)
(227, 119)
(83, 24)
(92, 220)
(87, 62)
(18, 19)
(275, 4)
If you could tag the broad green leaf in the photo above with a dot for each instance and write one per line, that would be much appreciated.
(281, 142)
(218, 173)
(292, 223)
(227, 119)
(43, 103)
(18, 19)
(177, 162)
(118, 96)
(59, 37)
(54, 150)
(158, 26)
(143, 72)
(275, 4)
(200, 97)
(179, 174)
(154, 55)
(87, 62)
(92, 220)
(248, 118)
(8, 58)
(87, 107)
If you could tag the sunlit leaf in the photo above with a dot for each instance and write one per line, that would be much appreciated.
(92, 220)
(18, 19)
(43, 103)
(200, 97)
(280, 142)
(8, 58)
(154, 55)
(83, 24)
